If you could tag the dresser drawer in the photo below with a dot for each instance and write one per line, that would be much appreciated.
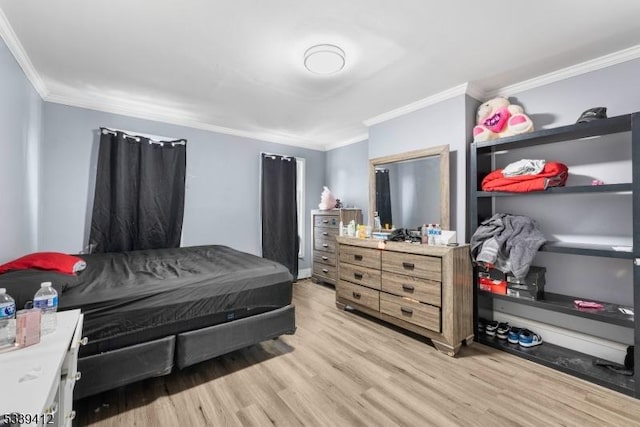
(326, 221)
(358, 294)
(324, 258)
(360, 275)
(423, 290)
(326, 244)
(423, 315)
(426, 267)
(363, 257)
(328, 271)
(324, 232)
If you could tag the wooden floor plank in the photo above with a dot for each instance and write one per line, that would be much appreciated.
(345, 369)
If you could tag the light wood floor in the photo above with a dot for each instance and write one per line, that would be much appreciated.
(341, 369)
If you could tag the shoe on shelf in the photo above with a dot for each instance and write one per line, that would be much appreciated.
(482, 323)
(514, 335)
(491, 327)
(503, 330)
(529, 339)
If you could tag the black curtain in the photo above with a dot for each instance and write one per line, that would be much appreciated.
(280, 241)
(139, 195)
(383, 197)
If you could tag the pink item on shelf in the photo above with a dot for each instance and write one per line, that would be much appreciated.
(597, 182)
(592, 305)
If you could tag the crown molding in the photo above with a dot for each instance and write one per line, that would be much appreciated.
(13, 43)
(476, 91)
(417, 105)
(595, 64)
(354, 140)
(174, 117)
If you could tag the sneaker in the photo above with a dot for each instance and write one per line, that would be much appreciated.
(529, 339)
(514, 335)
(491, 327)
(503, 330)
(482, 323)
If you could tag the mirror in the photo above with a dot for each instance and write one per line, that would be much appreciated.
(410, 189)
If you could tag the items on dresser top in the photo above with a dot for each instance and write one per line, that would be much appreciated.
(422, 288)
(326, 226)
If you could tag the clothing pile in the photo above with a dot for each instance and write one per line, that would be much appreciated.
(508, 243)
(527, 175)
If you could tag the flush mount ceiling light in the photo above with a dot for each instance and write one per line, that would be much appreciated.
(324, 59)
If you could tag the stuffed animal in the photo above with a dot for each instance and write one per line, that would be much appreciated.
(497, 118)
(327, 201)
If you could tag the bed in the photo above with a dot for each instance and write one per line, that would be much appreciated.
(148, 311)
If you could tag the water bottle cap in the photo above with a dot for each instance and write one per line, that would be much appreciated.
(45, 284)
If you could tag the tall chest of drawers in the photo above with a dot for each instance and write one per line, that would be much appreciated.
(425, 289)
(325, 228)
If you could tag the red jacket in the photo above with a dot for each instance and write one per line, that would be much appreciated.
(554, 174)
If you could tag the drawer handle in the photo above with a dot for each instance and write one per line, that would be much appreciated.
(324, 245)
(324, 258)
(356, 295)
(358, 276)
(408, 288)
(324, 233)
(324, 270)
(325, 221)
(408, 265)
(406, 310)
(357, 257)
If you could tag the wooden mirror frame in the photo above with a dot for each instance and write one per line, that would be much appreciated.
(442, 151)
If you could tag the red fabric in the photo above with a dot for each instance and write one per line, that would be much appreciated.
(54, 261)
(554, 174)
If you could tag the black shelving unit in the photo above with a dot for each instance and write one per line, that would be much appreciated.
(481, 208)
(573, 362)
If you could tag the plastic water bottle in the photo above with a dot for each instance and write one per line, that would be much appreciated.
(7, 319)
(431, 234)
(46, 299)
(437, 233)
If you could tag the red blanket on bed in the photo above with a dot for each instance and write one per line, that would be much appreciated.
(554, 174)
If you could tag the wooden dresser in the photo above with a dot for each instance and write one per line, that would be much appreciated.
(422, 288)
(325, 229)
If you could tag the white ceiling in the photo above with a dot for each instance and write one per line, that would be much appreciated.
(237, 66)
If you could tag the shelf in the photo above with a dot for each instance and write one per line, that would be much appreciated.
(564, 133)
(608, 188)
(568, 361)
(605, 251)
(564, 304)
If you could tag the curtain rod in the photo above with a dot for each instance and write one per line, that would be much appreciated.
(152, 139)
(273, 156)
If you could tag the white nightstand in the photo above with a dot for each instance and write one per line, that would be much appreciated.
(37, 381)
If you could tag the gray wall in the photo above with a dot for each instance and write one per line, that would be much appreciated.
(222, 195)
(439, 124)
(347, 175)
(20, 121)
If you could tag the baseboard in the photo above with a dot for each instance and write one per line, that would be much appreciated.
(304, 273)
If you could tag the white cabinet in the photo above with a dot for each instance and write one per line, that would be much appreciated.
(38, 381)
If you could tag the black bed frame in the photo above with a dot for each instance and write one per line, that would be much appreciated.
(111, 369)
